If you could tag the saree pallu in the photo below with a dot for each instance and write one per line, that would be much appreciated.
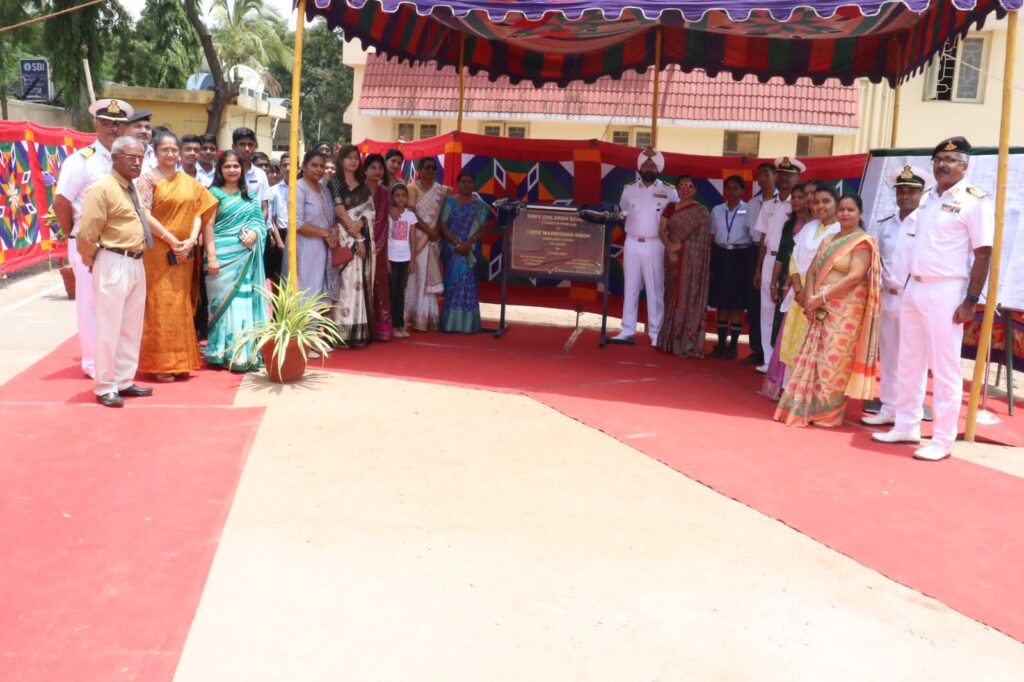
(687, 282)
(461, 309)
(426, 282)
(169, 343)
(380, 298)
(839, 356)
(234, 303)
(349, 286)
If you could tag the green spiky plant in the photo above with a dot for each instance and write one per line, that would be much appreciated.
(293, 317)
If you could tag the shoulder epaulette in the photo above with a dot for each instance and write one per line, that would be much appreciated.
(882, 220)
(975, 192)
(88, 151)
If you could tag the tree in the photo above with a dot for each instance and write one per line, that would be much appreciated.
(222, 89)
(12, 13)
(163, 31)
(248, 33)
(326, 84)
(84, 34)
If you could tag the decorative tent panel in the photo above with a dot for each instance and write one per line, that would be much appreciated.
(582, 41)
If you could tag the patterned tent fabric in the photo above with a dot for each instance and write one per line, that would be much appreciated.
(566, 41)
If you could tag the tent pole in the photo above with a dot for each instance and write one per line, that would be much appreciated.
(293, 144)
(657, 87)
(895, 116)
(985, 337)
(462, 79)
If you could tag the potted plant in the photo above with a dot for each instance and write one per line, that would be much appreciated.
(297, 325)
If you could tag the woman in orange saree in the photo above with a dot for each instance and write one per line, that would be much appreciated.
(178, 203)
(839, 356)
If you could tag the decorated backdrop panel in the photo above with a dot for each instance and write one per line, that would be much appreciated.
(30, 159)
(577, 172)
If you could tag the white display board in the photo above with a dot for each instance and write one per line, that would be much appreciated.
(880, 201)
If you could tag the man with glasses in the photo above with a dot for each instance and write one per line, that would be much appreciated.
(948, 259)
(113, 236)
(78, 172)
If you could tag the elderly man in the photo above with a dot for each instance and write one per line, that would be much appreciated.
(954, 224)
(770, 219)
(140, 125)
(891, 233)
(643, 254)
(78, 172)
(113, 232)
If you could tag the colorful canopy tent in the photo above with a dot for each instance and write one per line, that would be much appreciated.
(562, 41)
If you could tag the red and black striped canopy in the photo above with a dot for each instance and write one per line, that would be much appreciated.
(562, 41)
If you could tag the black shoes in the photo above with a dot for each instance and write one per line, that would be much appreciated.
(110, 400)
(134, 391)
(730, 353)
(753, 359)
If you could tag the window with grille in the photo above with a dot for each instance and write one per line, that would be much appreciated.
(814, 145)
(642, 138)
(406, 132)
(492, 129)
(956, 73)
(741, 143)
(428, 130)
(517, 131)
(620, 137)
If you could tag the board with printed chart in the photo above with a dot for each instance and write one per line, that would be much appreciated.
(880, 201)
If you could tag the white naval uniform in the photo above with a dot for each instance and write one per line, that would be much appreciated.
(949, 227)
(772, 217)
(77, 173)
(643, 254)
(893, 237)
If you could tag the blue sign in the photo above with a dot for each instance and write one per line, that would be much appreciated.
(35, 80)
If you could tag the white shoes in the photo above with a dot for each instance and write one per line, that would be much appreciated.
(762, 369)
(933, 452)
(877, 419)
(895, 436)
(313, 355)
(654, 341)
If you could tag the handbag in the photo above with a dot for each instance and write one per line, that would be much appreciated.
(341, 256)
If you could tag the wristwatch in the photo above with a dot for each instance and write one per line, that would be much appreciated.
(972, 298)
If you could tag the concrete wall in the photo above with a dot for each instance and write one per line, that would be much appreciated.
(42, 114)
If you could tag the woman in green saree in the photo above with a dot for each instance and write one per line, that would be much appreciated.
(234, 267)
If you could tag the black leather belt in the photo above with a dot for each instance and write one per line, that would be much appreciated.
(733, 247)
(124, 252)
(73, 237)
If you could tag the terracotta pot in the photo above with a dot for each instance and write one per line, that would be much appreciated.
(292, 369)
(69, 280)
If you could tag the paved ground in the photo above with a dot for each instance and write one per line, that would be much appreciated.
(392, 530)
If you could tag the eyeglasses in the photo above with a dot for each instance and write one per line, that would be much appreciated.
(947, 160)
(167, 150)
(131, 157)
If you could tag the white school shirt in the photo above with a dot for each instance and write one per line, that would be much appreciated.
(399, 231)
(78, 172)
(950, 226)
(644, 205)
(754, 210)
(205, 177)
(257, 183)
(731, 226)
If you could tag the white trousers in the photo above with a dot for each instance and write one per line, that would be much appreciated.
(85, 309)
(643, 266)
(889, 351)
(120, 286)
(929, 339)
(767, 305)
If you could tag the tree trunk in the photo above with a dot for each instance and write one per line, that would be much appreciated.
(3, 83)
(222, 89)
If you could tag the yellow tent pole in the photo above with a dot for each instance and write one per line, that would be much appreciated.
(985, 337)
(462, 79)
(293, 144)
(895, 116)
(657, 87)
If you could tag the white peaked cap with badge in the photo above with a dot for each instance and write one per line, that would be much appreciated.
(654, 155)
(786, 164)
(911, 176)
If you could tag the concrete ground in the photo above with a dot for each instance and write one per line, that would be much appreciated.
(393, 530)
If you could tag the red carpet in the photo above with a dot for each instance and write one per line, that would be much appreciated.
(110, 520)
(952, 530)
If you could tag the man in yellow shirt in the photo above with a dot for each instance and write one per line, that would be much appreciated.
(112, 234)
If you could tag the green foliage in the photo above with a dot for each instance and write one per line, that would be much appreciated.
(160, 51)
(326, 84)
(249, 33)
(294, 317)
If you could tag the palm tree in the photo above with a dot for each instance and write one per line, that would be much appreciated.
(248, 33)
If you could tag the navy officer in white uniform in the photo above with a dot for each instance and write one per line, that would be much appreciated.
(893, 236)
(948, 266)
(78, 172)
(643, 254)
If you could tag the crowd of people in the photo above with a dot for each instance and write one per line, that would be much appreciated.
(828, 299)
(174, 240)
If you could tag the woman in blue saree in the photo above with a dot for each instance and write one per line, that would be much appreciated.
(234, 267)
(462, 226)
